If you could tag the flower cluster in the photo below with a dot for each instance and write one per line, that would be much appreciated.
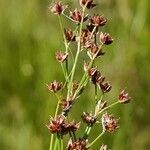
(87, 38)
(59, 126)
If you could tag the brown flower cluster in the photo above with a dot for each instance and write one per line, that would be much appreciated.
(79, 144)
(88, 118)
(59, 126)
(109, 122)
(97, 79)
(55, 86)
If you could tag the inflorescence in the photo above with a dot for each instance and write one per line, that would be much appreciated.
(88, 37)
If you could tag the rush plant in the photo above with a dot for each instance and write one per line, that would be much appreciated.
(88, 37)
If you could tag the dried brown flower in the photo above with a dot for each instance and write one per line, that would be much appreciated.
(95, 76)
(55, 124)
(86, 38)
(61, 56)
(55, 86)
(70, 127)
(105, 38)
(57, 8)
(66, 105)
(94, 50)
(105, 87)
(70, 37)
(109, 122)
(89, 3)
(79, 144)
(58, 125)
(88, 118)
(98, 20)
(76, 15)
(124, 97)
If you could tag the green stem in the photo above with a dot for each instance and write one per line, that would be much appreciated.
(95, 140)
(93, 32)
(84, 79)
(64, 72)
(61, 27)
(87, 132)
(74, 136)
(96, 96)
(113, 104)
(51, 142)
(66, 45)
(77, 55)
(57, 107)
(52, 135)
(61, 143)
(56, 144)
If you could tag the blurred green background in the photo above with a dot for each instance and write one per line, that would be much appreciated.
(29, 37)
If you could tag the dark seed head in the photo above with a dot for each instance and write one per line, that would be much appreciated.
(55, 86)
(109, 122)
(79, 144)
(57, 8)
(88, 118)
(98, 20)
(70, 37)
(124, 97)
(61, 56)
(55, 124)
(105, 87)
(89, 3)
(105, 38)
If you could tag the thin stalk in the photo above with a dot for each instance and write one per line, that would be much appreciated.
(96, 95)
(57, 107)
(113, 104)
(64, 72)
(51, 142)
(65, 42)
(61, 27)
(52, 135)
(74, 136)
(70, 134)
(62, 143)
(69, 17)
(56, 144)
(77, 55)
(84, 79)
(71, 54)
(96, 139)
(93, 32)
(87, 131)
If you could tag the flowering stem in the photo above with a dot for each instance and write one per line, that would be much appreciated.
(77, 55)
(85, 78)
(66, 46)
(96, 139)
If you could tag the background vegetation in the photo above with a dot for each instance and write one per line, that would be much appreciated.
(29, 37)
